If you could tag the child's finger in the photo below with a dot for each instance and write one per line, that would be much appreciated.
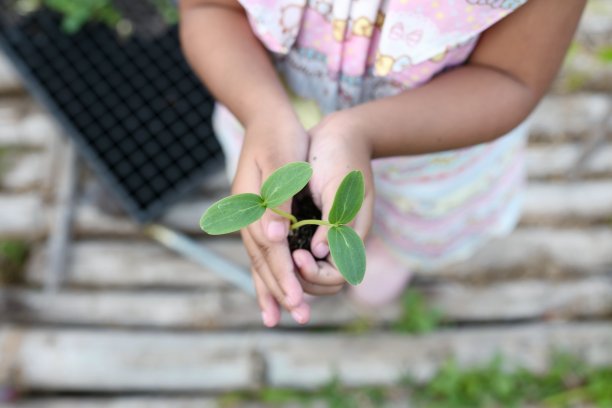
(270, 309)
(274, 264)
(318, 290)
(316, 273)
(275, 226)
(260, 267)
(318, 245)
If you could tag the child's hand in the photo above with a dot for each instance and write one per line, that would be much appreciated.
(335, 149)
(269, 144)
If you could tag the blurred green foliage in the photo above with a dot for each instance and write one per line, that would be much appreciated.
(417, 316)
(332, 395)
(77, 13)
(168, 10)
(13, 255)
(567, 383)
(604, 54)
(3, 162)
(7, 160)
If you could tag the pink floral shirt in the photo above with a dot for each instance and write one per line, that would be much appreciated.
(344, 52)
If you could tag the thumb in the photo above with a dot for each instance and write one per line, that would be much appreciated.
(275, 226)
(319, 246)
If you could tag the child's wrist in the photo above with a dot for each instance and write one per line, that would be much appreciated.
(282, 134)
(272, 109)
(347, 124)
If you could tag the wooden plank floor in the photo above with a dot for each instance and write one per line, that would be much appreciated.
(135, 325)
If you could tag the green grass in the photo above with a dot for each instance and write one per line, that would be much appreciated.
(417, 316)
(4, 164)
(604, 54)
(333, 395)
(573, 50)
(13, 256)
(567, 383)
(574, 81)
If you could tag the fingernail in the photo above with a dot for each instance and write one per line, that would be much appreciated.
(276, 230)
(265, 318)
(297, 316)
(321, 250)
(298, 261)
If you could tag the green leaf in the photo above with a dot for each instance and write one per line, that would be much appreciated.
(232, 213)
(348, 252)
(285, 182)
(349, 198)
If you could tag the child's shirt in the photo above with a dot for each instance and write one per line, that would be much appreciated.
(344, 52)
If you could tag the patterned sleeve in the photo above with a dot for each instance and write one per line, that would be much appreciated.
(415, 31)
(275, 23)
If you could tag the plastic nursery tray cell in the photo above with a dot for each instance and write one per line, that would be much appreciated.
(135, 110)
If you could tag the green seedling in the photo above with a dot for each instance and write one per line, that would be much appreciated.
(235, 212)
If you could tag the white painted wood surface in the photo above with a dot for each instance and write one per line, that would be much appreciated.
(22, 215)
(563, 202)
(214, 310)
(118, 402)
(119, 361)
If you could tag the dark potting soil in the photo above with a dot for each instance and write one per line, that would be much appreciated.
(303, 208)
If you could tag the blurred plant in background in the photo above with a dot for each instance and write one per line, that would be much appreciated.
(118, 14)
(13, 255)
(569, 382)
(417, 316)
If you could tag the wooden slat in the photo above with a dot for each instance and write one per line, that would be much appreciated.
(538, 252)
(22, 215)
(25, 172)
(113, 361)
(529, 251)
(137, 263)
(569, 117)
(563, 202)
(515, 300)
(559, 161)
(9, 80)
(34, 131)
(117, 402)
(117, 361)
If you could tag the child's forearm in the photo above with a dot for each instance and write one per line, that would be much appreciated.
(469, 106)
(509, 71)
(222, 49)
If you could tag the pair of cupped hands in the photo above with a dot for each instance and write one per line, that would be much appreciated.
(283, 279)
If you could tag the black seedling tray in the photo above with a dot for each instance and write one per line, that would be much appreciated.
(134, 108)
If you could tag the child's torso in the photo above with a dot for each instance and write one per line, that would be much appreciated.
(344, 52)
